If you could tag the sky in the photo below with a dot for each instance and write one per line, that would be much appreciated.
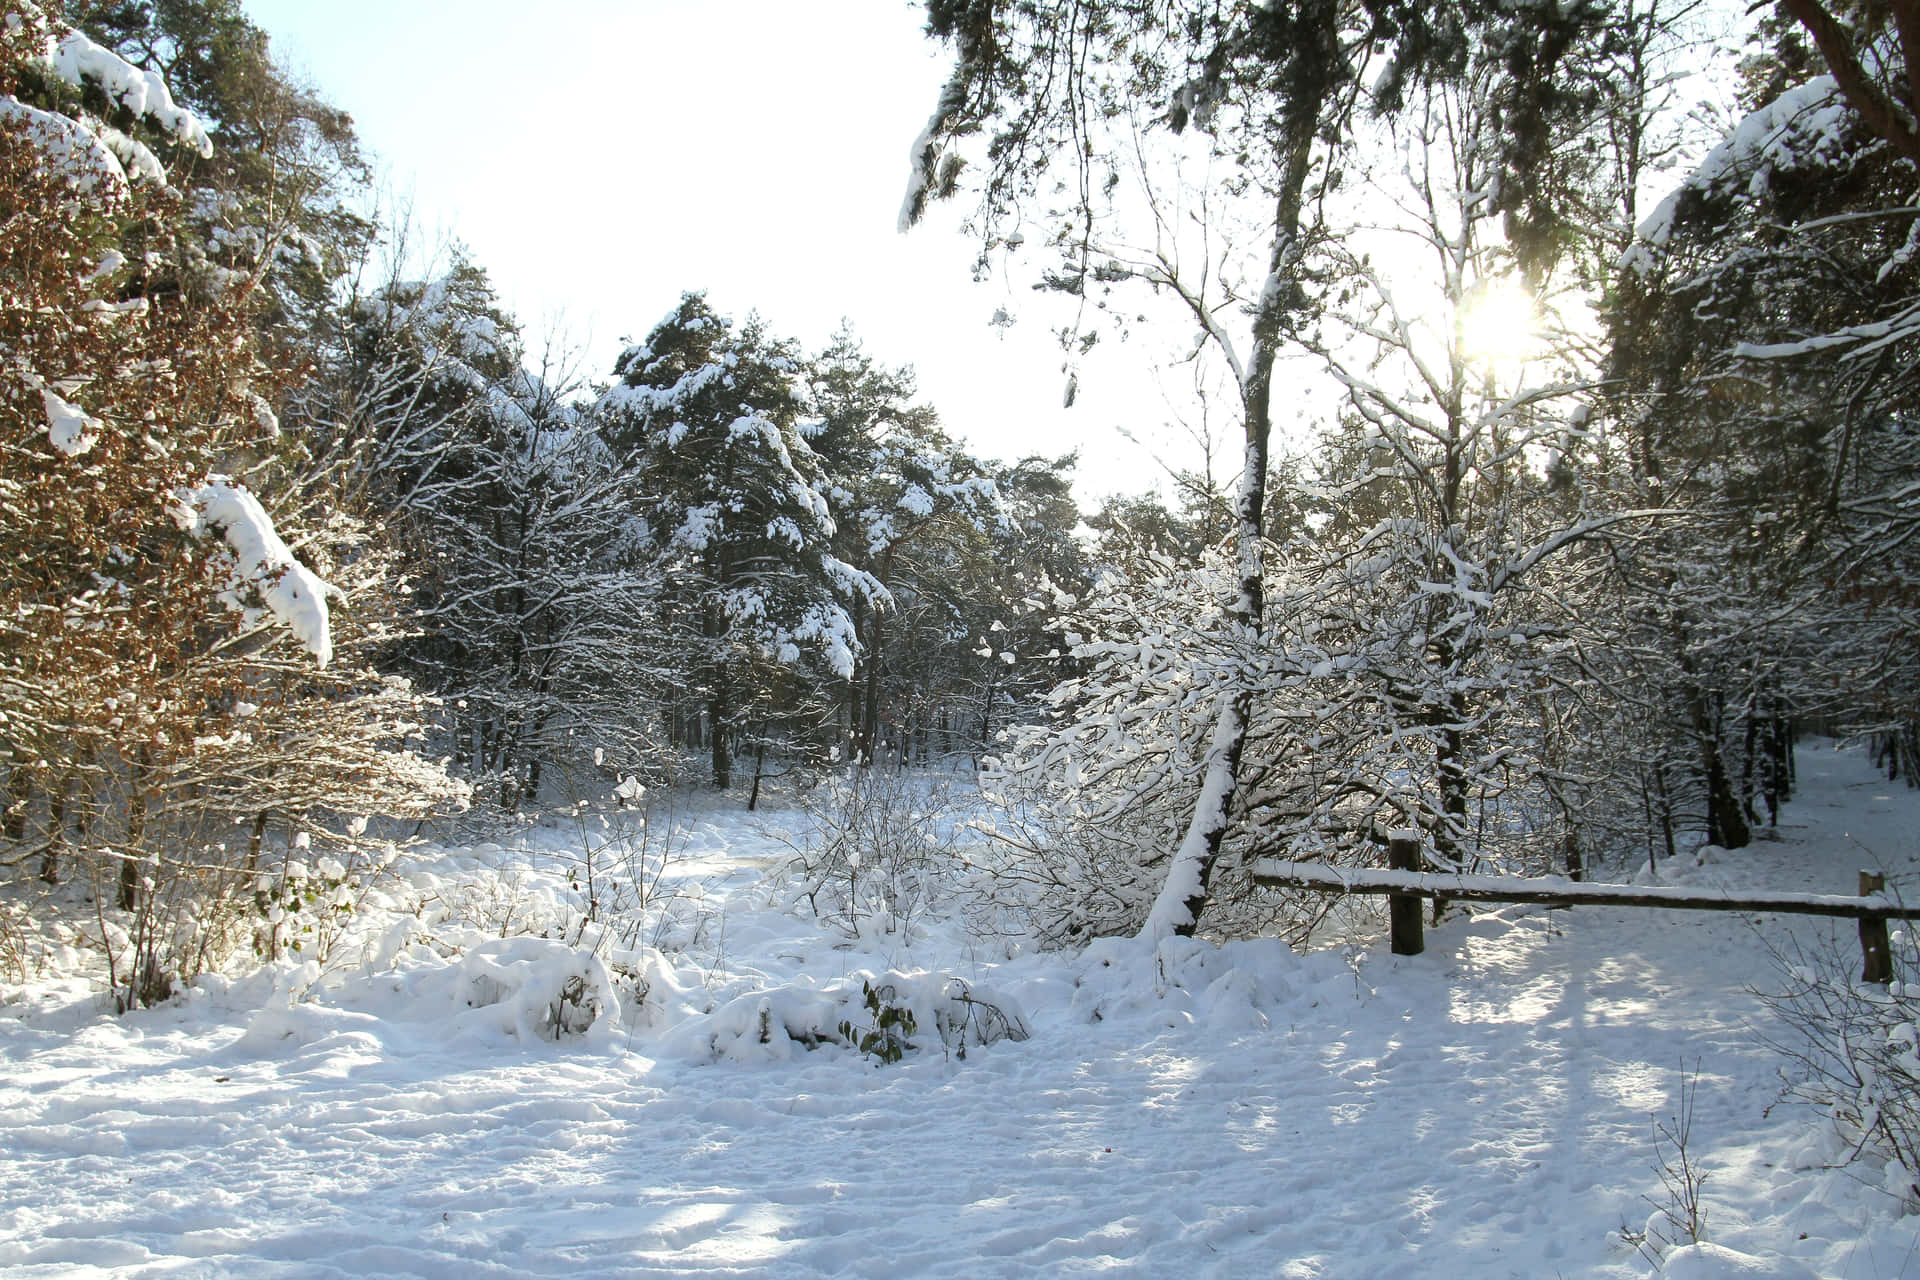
(600, 157)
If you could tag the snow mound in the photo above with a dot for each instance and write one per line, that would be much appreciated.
(520, 989)
(1705, 1261)
(776, 1024)
(1186, 981)
(528, 988)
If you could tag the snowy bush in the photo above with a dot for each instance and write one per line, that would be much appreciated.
(16, 948)
(1855, 1052)
(885, 1040)
(1679, 1218)
(1360, 721)
(303, 909)
(517, 990)
(618, 867)
(1099, 797)
(533, 988)
(873, 852)
(883, 1016)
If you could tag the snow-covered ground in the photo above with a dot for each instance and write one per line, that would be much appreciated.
(1485, 1109)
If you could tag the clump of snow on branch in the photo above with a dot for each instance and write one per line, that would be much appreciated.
(94, 155)
(293, 594)
(829, 627)
(69, 145)
(70, 430)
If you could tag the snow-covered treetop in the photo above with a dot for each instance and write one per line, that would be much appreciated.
(709, 415)
(456, 308)
(94, 155)
(1809, 126)
(79, 61)
(469, 349)
(695, 352)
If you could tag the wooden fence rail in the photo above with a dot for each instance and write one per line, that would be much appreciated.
(1406, 886)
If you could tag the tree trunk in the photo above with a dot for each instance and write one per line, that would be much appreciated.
(1726, 824)
(857, 686)
(1666, 810)
(19, 786)
(136, 833)
(255, 834)
(56, 831)
(870, 722)
(1726, 820)
(720, 708)
(1750, 768)
(719, 730)
(1183, 897)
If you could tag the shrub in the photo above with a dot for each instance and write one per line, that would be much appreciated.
(868, 858)
(1855, 1050)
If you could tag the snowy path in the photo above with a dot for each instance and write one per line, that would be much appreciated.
(1482, 1109)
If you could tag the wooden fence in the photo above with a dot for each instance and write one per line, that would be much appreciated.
(1405, 885)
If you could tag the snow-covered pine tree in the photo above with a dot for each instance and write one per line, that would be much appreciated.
(735, 512)
(1028, 569)
(916, 511)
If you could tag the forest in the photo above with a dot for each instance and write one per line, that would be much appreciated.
(1612, 493)
(1542, 602)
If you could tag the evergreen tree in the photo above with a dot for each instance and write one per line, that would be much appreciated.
(734, 510)
(276, 205)
(912, 509)
(531, 606)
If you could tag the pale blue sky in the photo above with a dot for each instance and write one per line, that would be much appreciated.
(601, 156)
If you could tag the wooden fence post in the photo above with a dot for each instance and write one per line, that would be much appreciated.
(1403, 909)
(1873, 935)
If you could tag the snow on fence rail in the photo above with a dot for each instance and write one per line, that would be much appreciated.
(1406, 886)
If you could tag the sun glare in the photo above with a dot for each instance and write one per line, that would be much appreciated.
(1499, 325)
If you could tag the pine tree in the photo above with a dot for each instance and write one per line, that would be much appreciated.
(913, 510)
(735, 514)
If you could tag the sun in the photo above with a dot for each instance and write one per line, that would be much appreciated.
(1499, 325)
